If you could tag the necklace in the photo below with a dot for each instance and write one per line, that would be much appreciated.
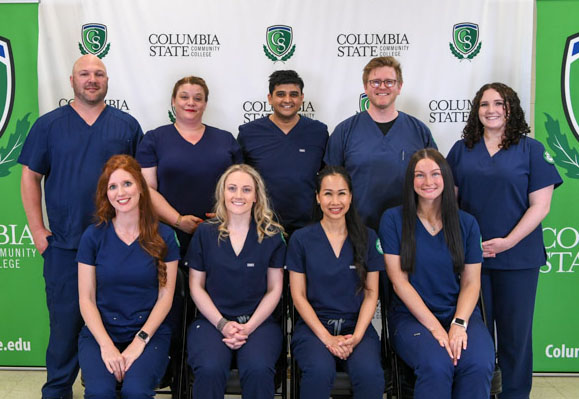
(431, 227)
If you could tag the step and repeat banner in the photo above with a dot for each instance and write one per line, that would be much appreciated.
(448, 49)
(556, 338)
(23, 315)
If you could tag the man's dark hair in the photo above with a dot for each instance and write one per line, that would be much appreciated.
(285, 77)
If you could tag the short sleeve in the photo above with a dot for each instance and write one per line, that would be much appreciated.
(295, 258)
(335, 148)
(278, 254)
(390, 231)
(236, 153)
(34, 153)
(473, 240)
(87, 248)
(147, 151)
(452, 160)
(375, 259)
(194, 256)
(542, 171)
(170, 238)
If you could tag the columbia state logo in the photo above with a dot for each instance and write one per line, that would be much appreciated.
(279, 39)
(465, 44)
(11, 147)
(94, 40)
(566, 156)
(6, 76)
(379, 247)
(364, 103)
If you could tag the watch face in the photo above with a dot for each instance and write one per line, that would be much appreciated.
(143, 335)
(459, 321)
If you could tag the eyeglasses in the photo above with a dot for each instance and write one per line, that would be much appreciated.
(376, 83)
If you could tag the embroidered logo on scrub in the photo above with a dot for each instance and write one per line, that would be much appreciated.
(379, 247)
(548, 158)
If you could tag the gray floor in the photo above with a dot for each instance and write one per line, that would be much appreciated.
(27, 384)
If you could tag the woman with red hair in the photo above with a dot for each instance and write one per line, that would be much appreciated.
(127, 265)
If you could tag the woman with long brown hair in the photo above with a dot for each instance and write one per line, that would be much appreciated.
(127, 265)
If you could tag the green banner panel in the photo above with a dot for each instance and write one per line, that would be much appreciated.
(556, 328)
(23, 314)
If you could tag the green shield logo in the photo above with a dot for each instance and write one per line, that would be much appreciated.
(6, 83)
(279, 39)
(570, 83)
(364, 102)
(465, 37)
(94, 39)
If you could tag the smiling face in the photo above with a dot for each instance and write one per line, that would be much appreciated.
(123, 192)
(492, 111)
(189, 102)
(286, 100)
(89, 80)
(239, 193)
(334, 197)
(428, 180)
(382, 97)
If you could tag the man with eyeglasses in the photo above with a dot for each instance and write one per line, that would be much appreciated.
(287, 150)
(376, 145)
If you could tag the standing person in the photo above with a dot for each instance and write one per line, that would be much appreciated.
(505, 179)
(433, 258)
(286, 149)
(68, 148)
(183, 161)
(375, 145)
(127, 267)
(236, 280)
(334, 267)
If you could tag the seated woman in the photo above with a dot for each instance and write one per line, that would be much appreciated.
(236, 280)
(334, 271)
(127, 265)
(433, 258)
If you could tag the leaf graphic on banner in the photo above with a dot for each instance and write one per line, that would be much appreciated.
(268, 54)
(289, 55)
(9, 154)
(475, 52)
(82, 50)
(454, 52)
(565, 157)
(105, 51)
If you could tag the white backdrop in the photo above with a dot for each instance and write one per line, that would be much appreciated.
(333, 40)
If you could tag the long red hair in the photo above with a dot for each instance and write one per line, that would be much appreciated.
(149, 237)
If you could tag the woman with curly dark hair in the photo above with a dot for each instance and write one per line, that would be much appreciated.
(506, 180)
(127, 266)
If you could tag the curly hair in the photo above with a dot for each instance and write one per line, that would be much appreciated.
(516, 126)
(262, 212)
(149, 237)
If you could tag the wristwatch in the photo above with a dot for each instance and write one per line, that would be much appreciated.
(460, 322)
(143, 336)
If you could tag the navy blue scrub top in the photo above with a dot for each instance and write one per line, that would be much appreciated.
(71, 155)
(235, 283)
(331, 283)
(187, 173)
(495, 190)
(288, 164)
(376, 163)
(433, 278)
(127, 286)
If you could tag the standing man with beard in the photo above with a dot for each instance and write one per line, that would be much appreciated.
(68, 148)
(287, 150)
(375, 145)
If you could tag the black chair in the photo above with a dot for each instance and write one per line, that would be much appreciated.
(174, 382)
(342, 388)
